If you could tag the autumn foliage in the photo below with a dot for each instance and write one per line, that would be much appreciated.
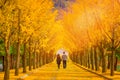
(94, 27)
(31, 31)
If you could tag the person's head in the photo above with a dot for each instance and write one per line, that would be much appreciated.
(63, 52)
(58, 54)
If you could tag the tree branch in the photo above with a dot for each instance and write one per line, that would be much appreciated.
(117, 44)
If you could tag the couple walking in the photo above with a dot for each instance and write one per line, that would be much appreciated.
(64, 59)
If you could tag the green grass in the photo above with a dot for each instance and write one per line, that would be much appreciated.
(118, 68)
(0, 61)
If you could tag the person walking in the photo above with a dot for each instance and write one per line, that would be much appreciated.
(58, 60)
(64, 58)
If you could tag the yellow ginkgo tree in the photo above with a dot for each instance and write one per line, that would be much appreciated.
(97, 24)
(21, 22)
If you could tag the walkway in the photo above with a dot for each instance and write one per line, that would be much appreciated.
(72, 72)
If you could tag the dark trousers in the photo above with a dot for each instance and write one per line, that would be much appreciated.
(58, 63)
(64, 63)
(58, 66)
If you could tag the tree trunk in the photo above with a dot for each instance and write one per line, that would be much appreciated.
(3, 62)
(92, 60)
(47, 58)
(74, 58)
(30, 64)
(108, 66)
(85, 60)
(100, 61)
(37, 62)
(34, 60)
(44, 58)
(78, 58)
(24, 59)
(88, 60)
(40, 60)
(81, 60)
(7, 60)
(112, 52)
(11, 62)
(96, 59)
(112, 63)
(86, 56)
(30, 56)
(18, 46)
(17, 60)
(115, 65)
(103, 52)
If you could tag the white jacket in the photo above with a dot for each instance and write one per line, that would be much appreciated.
(64, 57)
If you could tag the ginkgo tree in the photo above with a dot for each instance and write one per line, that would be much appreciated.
(101, 31)
(6, 26)
(19, 22)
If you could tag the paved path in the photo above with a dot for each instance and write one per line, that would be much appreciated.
(72, 72)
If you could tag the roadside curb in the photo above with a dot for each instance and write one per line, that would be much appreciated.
(27, 74)
(23, 77)
(107, 78)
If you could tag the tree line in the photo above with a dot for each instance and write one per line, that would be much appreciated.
(94, 27)
(25, 34)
